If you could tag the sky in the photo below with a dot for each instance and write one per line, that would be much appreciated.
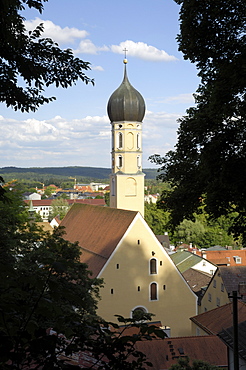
(75, 130)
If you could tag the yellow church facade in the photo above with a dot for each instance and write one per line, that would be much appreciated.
(119, 247)
(141, 275)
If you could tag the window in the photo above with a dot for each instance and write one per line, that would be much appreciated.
(214, 283)
(153, 291)
(120, 140)
(117, 266)
(222, 287)
(120, 161)
(112, 291)
(138, 288)
(237, 259)
(138, 141)
(209, 297)
(138, 161)
(217, 301)
(153, 266)
(138, 312)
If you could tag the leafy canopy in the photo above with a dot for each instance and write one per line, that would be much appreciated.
(49, 300)
(209, 160)
(29, 63)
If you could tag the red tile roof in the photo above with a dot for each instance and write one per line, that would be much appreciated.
(221, 257)
(94, 202)
(214, 321)
(164, 353)
(98, 231)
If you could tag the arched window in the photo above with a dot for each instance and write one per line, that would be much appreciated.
(120, 161)
(153, 266)
(138, 312)
(138, 161)
(120, 140)
(153, 291)
(138, 141)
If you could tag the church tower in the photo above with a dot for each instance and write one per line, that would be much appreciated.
(126, 109)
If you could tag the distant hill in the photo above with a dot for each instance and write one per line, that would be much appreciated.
(73, 171)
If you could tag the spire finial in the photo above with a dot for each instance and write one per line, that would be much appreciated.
(125, 60)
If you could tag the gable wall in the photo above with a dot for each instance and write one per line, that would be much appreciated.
(215, 295)
(175, 303)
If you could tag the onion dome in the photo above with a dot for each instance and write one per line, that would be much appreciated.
(126, 103)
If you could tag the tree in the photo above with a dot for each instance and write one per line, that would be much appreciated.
(157, 219)
(189, 232)
(184, 364)
(49, 300)
(59, 207)
(209, 162)
(29, 63)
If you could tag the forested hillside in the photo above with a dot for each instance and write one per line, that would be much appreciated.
(54, 174)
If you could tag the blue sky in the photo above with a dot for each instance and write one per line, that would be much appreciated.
(75, 130)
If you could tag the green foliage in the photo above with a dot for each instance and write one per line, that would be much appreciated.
(29, 63)
(56, 175)
(59, 207)
(189, 232)
(107, 198)
(209, 158)
(49, 300)
(156, 218)
(184, 364)
(155, 186)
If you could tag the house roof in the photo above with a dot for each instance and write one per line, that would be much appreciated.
(232, 276)
(164, 240)
(196, 280)
(94, 202)
(185, 260)
(40, 202)
(98, 231)
(214, 321)
(47, 202)
(226, 257)
(164, 353)
(227, 336)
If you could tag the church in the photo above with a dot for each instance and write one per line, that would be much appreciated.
(116, 242)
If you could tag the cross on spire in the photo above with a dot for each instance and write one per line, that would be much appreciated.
(125, 50)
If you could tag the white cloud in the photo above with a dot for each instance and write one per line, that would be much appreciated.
(60, 35)
(181, 98)
(143, 51)
(81, 142)
(97, 68)
(87, 47)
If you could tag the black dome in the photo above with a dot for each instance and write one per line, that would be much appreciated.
(126, 103)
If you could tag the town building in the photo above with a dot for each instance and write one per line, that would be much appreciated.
(225, 257)
(225, 280)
